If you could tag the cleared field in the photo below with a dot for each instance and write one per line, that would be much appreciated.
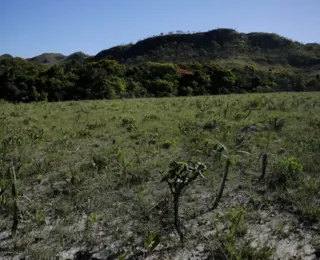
(89, 177)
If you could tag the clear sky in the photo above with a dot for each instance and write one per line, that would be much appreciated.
(31, 27)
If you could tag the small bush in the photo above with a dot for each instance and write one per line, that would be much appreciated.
(167, 144)
(286, 172)
(179, 177)
(275, 124)
(210, 125)
(129, 123)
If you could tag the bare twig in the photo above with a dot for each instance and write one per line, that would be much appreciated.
(222, 185)
(15, 212)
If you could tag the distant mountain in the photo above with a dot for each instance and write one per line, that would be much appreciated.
(77, 56)
(48, 58)
(6, 56)
(57, 58)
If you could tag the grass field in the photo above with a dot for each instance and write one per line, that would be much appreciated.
(88, 177)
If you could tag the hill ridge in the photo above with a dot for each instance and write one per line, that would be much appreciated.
(214, 45)
(220, 45)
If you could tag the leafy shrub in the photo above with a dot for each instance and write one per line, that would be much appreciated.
(167, 144)
(179, 176)
(286, 172)
(99, 162)
(275, 124)
(129, 123)
(210, 125)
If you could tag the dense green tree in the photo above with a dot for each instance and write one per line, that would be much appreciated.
(135, 89)
(162, 88)
(22, 81)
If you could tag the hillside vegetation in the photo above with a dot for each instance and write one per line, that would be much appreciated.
(88, 178)
(264, 49)
(22, 81)
(216, 62)
(222, 44)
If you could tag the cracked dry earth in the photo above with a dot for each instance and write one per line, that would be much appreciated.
(266, 227)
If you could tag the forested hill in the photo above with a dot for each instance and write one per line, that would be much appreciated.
(224, 46)
(217, 62)
(220, 44)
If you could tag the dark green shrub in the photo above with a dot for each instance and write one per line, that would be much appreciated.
(129, 123)
(286, 172)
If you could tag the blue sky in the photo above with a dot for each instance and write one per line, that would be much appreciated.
(32, 27)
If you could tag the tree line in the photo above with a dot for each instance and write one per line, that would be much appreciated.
(23, 81)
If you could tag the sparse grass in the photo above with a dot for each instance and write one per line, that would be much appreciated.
(102, 160)
(230, 245)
